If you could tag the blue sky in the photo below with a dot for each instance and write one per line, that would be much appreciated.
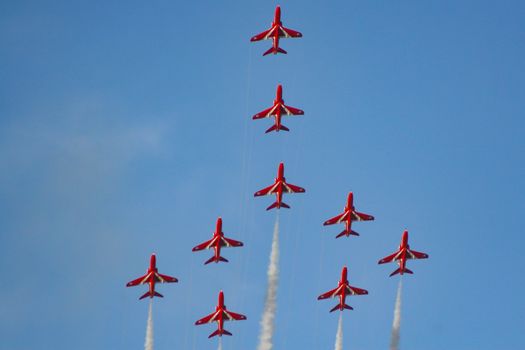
(126, 130)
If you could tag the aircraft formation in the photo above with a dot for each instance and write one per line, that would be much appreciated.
(279, 188)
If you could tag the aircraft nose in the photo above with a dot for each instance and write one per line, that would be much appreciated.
(279, 91)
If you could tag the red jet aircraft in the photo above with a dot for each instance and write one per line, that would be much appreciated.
(216, 243)
(278, 188)
(220, 315)
(151, 277)
(347, 217)
(342, 290)
(275, 32)
(277, 110)
(403, 253)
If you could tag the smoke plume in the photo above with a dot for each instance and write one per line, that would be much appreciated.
(339, 335)
(270, 304)
(396, 325)
(220, 344)
(148, 343)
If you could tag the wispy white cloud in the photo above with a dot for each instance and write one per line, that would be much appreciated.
(80, 143)
(61, 174)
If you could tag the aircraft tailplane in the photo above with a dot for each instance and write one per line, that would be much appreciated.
(219, 333)
(345, 233)
(276, 205)
(216, 260)
(151, 295)
(274, 50)
(338, 307)
(400, 271)
(277, 128)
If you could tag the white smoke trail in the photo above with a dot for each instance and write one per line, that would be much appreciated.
(396, 325)
(148, 343)
(270, 304)
(220, 344)
(339, 335)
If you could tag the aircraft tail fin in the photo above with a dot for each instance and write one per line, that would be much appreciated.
(401, 271)
(338, 307)
(395, 272)
(219, 333)
(346, 233)
(151, 295)
(276, 205)
(274, 50)
(216, 260)
(277, 128)
(348, 307)
(341, 234)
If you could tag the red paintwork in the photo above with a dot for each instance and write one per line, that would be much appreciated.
(347, 217)
(151, 277)
(279, 187)
(218, 241)
(342, 291)
(276, 32)
(277, 110)
(220, 315)
(402, 255)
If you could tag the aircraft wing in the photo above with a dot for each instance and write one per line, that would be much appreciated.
(205, 245)
(264, 35)
(232, 316)
(228, 242)
(355, 291)
(362, 216)
(165, 278)
(140, 280)
(330, 294)
(266, 191)
(289, 188)
(208, 319)
(292, 110)
(389, 258)
(268, 112)
(412, 254)
(289, 33)
(336, 219)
